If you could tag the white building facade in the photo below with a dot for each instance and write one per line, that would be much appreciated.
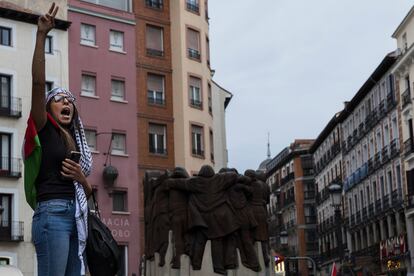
(18, 33)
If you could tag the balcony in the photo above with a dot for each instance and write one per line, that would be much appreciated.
(364, 171)
(361, 128)
(394, 150)
(10, 167)
(382, 109)
(11, 231)
(385, 155)
(352, 220)
(152, 100)
(386, 202)
(309, 195)
(193, 53)
(405, 98)
(370, 165)
(193, 6)
(198, 152)
(408, 147)
(308, 172)
(391, 102)
(155, 52)
(358, 217)
(10, 106)
(288, 200)
(310, 219)
(161, 151)
(396, 198)
(364, 214)
(287, 178)
(377, 160)
(196, 103)
(370, 210)
(155, 4)
(378, 206)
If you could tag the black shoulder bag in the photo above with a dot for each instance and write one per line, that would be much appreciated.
(102, 251)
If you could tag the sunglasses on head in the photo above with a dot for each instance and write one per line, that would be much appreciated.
(59, 98)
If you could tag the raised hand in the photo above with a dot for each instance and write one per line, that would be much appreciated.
(47, 22)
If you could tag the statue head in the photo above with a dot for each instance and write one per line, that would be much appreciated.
(250, 173)
(179, 172)
(206, 171)
(224, 170)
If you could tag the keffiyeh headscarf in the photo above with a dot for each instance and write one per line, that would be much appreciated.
(85, 162)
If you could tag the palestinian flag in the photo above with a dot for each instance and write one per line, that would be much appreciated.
(32, 154)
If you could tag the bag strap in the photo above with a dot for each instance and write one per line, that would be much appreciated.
(95, 204)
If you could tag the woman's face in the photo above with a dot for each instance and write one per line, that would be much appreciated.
(62, 109)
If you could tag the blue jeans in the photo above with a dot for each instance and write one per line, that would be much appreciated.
(55, 238)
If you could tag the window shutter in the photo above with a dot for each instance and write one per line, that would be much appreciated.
(193, 39)
(154, 38)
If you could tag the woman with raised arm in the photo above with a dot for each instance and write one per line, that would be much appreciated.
(55, 185)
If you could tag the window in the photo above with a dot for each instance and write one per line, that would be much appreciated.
(5, 36)
(49, 45)
(116, 41)
(5, 93)
(195, 92)
(90, 136)
(5, 156)
(197, 138)
(4, 261)
(193, 41)
(156, 4)
(88, 34)
(88, 85)
(210, 101)
(119, 203)
(208, 51)
(118, 143)
(118, 90)
(48, 86)
(154, 41)
(157, 141)
(6, 217)
(193, 6)
(123, 5)
(404, 41)
(211, 145)
(155, 89)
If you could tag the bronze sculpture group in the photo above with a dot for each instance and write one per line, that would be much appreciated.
(226, 208)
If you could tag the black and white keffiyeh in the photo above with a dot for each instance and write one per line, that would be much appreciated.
(85, 162)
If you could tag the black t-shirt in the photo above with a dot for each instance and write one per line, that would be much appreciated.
(50, 183)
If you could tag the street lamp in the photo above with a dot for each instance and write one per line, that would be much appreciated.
(335, 191)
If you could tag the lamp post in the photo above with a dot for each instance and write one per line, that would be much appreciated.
(335, 191)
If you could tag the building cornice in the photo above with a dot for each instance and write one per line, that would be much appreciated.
(402, 24)
(404, 62)
(100, 15)
(27, 16)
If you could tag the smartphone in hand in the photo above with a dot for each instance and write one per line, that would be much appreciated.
(75, 156)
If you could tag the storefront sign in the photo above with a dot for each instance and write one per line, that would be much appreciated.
(118, 226)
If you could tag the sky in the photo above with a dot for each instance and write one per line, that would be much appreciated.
(291, 64)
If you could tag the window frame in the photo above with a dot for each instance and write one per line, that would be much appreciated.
(194, 150)
(10, 37)
(124, 194)
(49, 45)
(114, 47)
(88, 94)
(193, 54)
(162, 150)
(153, 100)
(150, 52)
(115, 97)
(91, 130)
(85, 41)
(191, 92)
(117, 151)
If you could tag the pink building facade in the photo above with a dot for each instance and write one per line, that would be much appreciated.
(102, 76)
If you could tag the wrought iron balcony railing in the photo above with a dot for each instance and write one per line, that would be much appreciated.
(196, 103)
(193, 53)
(408, 146)
(10, 106)
(152, 100)
(162, 151)
(10, 167)
(405, 98)
(155, 53)
(198, 152)
(156, 4)
(11, 230)
(195, 7)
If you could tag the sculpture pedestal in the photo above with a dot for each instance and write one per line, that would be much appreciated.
(153, 269)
